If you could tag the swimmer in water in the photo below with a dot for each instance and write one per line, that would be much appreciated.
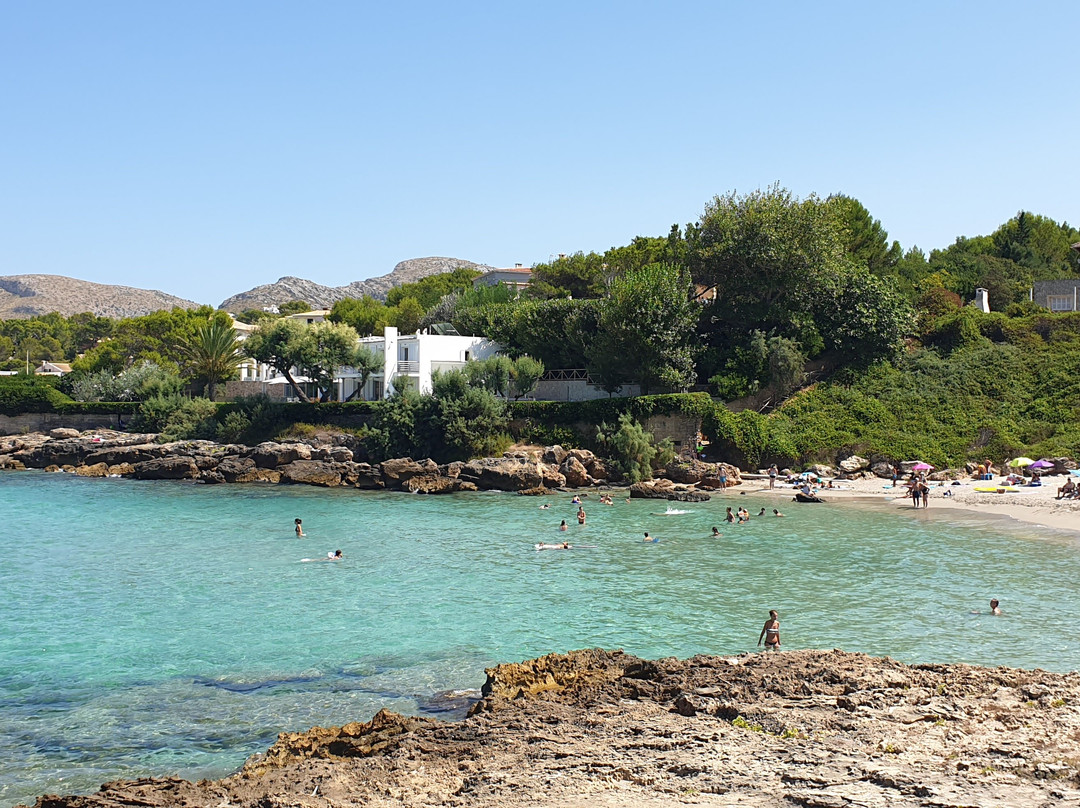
(649, 538)
(544, 507)
(580, 515)
(299, 530)
(771, 632)
(994, 608)
(776, 512)
(762, 512)
(576, 500)
(563, 525)
(729, 516)
(716, 533)
(334, 556)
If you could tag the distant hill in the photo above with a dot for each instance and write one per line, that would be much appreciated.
(23, 296)
(323, 297)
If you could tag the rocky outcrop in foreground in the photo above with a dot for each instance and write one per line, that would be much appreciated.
(331, 463)
(595, 728)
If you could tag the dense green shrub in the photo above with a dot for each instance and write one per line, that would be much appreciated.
(22, 394)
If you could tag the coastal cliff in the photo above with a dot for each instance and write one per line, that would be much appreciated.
(595, 727)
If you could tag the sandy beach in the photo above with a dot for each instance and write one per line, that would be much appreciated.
(1037, 506)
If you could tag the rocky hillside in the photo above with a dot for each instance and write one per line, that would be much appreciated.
(825, 729)
(323, 297)
(24, 296)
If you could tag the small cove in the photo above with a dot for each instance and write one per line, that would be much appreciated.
(152, 628)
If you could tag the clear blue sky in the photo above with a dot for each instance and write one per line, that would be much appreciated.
(203, 148)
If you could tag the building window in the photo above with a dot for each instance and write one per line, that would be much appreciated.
(1059, 302)
(376, 389)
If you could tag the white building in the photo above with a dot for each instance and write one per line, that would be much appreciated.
(409, 360)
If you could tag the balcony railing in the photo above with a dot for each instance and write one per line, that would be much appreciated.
(408, 367)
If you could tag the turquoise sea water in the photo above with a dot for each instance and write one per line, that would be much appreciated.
(152, 628)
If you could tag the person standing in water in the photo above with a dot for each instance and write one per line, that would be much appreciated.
(994, 608)
(580, 515)
(771, 632)
(299, 529)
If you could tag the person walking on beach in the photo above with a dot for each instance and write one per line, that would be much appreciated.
(299, 529)
(771, 632)
(773, 471)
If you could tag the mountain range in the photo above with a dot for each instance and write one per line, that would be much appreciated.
(23, 296)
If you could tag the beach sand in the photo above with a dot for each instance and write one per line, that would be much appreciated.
(1036, 506)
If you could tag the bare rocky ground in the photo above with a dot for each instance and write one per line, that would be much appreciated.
(598, 728)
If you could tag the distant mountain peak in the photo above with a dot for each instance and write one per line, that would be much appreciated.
(290, 288)
(23, 296)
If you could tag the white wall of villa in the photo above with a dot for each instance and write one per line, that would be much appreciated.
(409, 360)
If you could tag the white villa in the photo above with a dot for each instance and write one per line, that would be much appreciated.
(409, 360)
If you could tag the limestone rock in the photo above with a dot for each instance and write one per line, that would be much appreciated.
(554, 455)
(574, 472)
(212, 477)
(310, 472)
(238, 470)
(96, 470)
(398, 470)
(430, 484)
(167, 468)
(503, 474)
(368, 477)
(270, 455)
(122, 470)
(63, 432)
(139, 453)
(853, 464)
(652, 489)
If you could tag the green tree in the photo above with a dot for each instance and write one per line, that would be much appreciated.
(629, 446)
(525, 376)
(365, 362)
(865, 240)
(328, 346)
(294, 307)
(430, 290)
(578, 276)
(283, 345)
(649, 321)
(213, 354)
(407, 315)
(364, 315)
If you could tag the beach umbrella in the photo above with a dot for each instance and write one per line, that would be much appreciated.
(1021, 462)
(920, 466)
(1042, 464)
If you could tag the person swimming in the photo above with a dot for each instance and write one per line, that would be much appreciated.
(576, 500)
(649, 538)
(563, 526)
(761, 512)
(716, 533)
(729, 516)
(994, 608)
(776, 512)
(299, 529)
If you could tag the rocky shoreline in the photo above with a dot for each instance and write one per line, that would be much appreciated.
(331, 461)
(598, 728)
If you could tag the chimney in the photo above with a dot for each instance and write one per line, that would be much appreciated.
(982, 301)
(517, 266)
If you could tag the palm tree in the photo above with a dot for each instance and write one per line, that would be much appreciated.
(213, 353)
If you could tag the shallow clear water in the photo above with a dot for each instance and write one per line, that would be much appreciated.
(151, 628)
